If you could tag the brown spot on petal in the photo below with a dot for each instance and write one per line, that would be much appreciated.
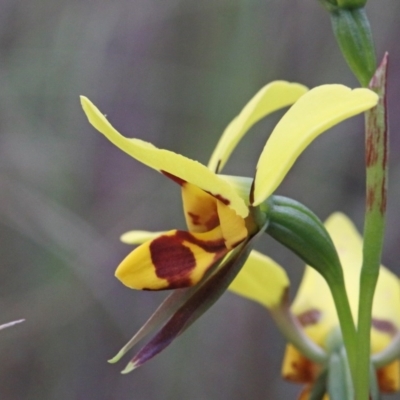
(384, 326)
(176, 179)
(175, 262)
(301, 371)
(389, 377)
(309, 317)
(210, 224)
(222, 199)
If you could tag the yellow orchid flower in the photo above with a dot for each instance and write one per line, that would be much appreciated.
(315, 311)
(223, 214)
(217, 217)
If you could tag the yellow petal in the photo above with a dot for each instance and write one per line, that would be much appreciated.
(389, 377)
(348, 243)
(176, 166)
(175, 259)
(262, 280)
(297, 368)
(314, 305)
(386, 306)
(233, 226)
(200, 209)
(270, 98)
(315, 112)
(139, 237)
(385, 310)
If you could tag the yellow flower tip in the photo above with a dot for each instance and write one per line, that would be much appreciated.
(138, 237)
(117, 357)
(129, 368)
(312, 114)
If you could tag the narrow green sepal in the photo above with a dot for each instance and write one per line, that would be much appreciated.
(299, 229)
(353, 34)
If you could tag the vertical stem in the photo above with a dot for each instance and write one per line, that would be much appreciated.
(376, 137)
(346, 324)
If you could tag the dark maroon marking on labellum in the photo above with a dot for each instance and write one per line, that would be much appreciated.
(304, 371)
(220, 198)
(384, 326)
(194, 218)
(210, 246)
(309, 317)
(173, 261)
(210, 224)
(176, 179)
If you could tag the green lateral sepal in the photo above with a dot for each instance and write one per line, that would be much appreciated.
(300, 230)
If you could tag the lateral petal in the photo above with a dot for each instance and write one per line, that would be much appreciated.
(386, 306)
(315, 112)
(173, 260)
(200, 209)
(233, 226)
(389, 377)
(270, 98)
(262, 280)
(202, 298)
(175, 166)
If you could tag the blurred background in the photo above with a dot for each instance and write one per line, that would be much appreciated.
(173, 72)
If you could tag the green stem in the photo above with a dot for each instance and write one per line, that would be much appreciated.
(346, 323)
(376, 137)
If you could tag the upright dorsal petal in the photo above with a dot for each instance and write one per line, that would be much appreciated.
(270, 98)
(314, 113)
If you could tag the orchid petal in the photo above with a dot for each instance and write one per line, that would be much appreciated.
(386, 306)
(314, 306)
(233, 226)
(173, 260)
(389, 377)
(297, 368)
(175, 166)
(204, 296)
(200, 209)
(139, 237)
(270, 98)
(261, 280)
(315, 112)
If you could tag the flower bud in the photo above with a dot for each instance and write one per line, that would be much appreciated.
(353, 34)
(299, 229)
